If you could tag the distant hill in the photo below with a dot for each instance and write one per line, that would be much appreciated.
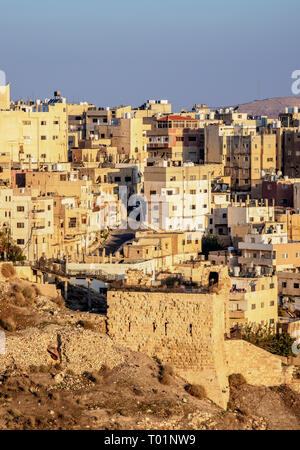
(269, 107)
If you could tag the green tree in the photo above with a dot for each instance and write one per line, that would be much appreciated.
(8, 249)
(266, 337)
(210, 243)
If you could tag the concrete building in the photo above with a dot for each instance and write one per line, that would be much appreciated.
(246, 154)
(35, 133)
(176, 138)
(179, 198)
(266, 249)
(253, 301)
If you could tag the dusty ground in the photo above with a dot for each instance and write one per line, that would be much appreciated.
(106, 386)
(131, 397)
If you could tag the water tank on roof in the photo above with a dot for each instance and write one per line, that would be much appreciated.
(257, 270)
(236, 271)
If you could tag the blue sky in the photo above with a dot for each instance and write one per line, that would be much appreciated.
(124, 52)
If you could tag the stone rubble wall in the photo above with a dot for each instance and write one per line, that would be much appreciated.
(181, 329)
(258, 366)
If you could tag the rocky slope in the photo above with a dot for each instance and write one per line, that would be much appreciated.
(61, 371)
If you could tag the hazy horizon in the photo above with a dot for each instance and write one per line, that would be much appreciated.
(127, 52)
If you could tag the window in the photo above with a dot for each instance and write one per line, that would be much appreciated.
(284, 284)
(193, 191)
(20, 208)
(179, 138)
(20, 225)
(26, 122)
(20, 241)
(43, 122)
(192, 138)
(72, 222)
(285, 256)
(152, 192)
(253, 306)
(271, 320)
(271, 285)
(43, 138)
(272, 303)
(49, 207)
(296, 285)
(117, 178)
(127, 178)
(262, 305)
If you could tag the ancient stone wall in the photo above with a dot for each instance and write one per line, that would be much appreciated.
(258, 366)
(185, 330)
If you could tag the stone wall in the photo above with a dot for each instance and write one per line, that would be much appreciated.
(185, 330)
(258, 366)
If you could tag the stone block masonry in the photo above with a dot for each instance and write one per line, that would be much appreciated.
(185, 330)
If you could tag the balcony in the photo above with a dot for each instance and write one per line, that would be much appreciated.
(257, 261)
(237, 314)
(237, 296)
(38, 213)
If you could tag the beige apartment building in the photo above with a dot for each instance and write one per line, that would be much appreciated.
(253, 301)
(246, 154)
(169, 248)
(176, 138)
(179, 198)
(29, 221)
(127, 134)
(266, 249)
(35, 134)
(289, 288)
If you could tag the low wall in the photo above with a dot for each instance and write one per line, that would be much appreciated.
(258, 366)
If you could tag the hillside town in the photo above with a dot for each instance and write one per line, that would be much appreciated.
(176, 233)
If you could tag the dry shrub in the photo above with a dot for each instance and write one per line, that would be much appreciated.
(196, 390)
(8, 270)
(104, 370)
(86, 324)
(28, 292)
(236, 380)
(43, 369)
(94, 377)
(17, 286)
(165, 374)
(19, 299)
(8, 323)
